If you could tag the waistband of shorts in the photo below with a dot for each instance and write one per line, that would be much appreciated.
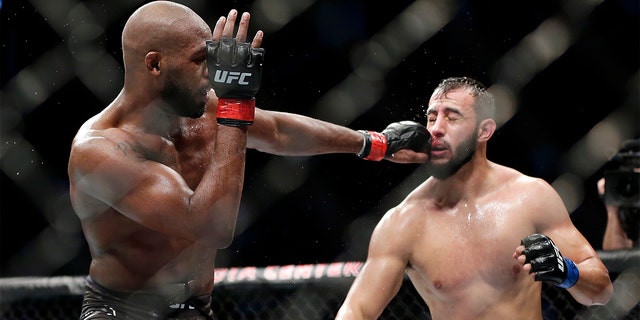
(172, 293)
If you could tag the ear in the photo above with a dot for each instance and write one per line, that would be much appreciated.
(486, 129)
(152, 61)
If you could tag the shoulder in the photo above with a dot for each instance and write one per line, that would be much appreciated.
(533, 195)
(99, 140)
(529, 193)
(91, 147)
(407, 215)
(397, 232)
(512, 178)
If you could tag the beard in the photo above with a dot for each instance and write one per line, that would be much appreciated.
(463, 154)
(180, 101)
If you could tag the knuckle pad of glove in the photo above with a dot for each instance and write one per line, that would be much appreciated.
(407, 135)
(242, 53)
(212, 53)
(226, 50)
(533, 238)
(256, 57)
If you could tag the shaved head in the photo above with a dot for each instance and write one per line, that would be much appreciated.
(164, 53)
(160, 26)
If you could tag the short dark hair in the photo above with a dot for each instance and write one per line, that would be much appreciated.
(484, 101)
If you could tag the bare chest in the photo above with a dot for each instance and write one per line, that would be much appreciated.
(194, 153)
(465, 248)
(188, 152)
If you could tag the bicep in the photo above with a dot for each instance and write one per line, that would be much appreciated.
(594, 285)
(124, 180)
(554, 220)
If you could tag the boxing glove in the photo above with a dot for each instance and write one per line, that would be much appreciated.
(396, 136)
(235, 73)
(547, 262)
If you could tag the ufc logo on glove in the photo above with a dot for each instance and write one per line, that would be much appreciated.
(223, 76)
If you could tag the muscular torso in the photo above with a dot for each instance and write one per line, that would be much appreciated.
(128, 256)
(469, 271)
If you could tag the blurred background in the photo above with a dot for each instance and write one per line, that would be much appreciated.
(565, 74)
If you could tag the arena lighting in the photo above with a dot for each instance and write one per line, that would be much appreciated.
(360, 90)
(597, 146)
(271, 15)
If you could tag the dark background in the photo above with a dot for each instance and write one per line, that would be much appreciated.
(61, 64)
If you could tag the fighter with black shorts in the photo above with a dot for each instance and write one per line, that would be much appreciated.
(169, 302)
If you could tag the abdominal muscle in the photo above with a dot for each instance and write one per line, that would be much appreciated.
(134, 258)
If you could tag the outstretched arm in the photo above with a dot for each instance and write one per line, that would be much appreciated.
(297, 135)
(291, 134)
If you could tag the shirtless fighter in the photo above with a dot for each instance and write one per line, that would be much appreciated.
(458, 235)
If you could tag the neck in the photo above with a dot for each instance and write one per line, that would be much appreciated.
(146, 114)
(466, 183)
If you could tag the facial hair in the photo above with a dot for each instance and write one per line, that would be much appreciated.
(181, 101)
(462, 154)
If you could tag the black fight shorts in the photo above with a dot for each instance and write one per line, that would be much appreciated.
(100, 303)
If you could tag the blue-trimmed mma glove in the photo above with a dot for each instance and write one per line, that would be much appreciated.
(547, 262)
(235, 73)
(398, 135)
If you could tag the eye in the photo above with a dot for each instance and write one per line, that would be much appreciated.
(453, 117)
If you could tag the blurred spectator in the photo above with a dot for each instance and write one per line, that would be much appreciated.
(619, 189)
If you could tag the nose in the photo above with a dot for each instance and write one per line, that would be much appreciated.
(437, 127)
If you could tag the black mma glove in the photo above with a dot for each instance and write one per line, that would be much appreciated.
(235, 72)
(547, 262)
(398, 135)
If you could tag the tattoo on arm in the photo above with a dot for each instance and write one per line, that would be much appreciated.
(125, 148)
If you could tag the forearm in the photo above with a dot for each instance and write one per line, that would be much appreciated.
(594, 285)
(291, 134)
(220, 189)
(297, 135)
(615, 237)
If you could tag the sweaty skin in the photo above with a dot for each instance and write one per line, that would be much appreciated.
(158, 191)
(155, 181)
(458, 236)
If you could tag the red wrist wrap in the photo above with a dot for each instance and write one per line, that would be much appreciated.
(236, 109)
(378, 146)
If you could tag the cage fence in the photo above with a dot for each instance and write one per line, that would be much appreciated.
(313, 292)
